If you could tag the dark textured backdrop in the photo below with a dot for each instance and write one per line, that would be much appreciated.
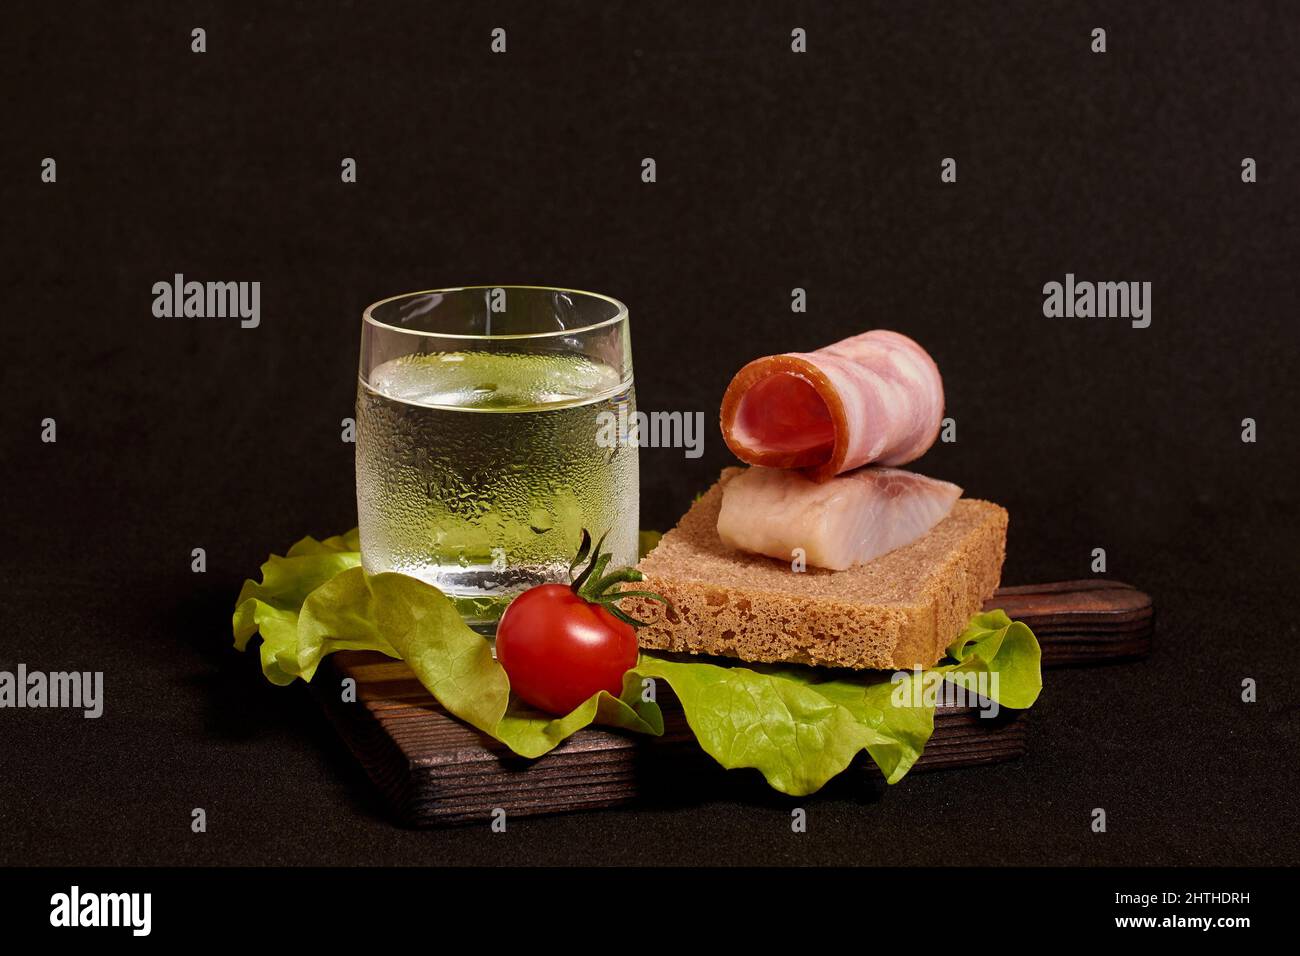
(775, 170)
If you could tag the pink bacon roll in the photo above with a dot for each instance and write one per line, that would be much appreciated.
(876, 397)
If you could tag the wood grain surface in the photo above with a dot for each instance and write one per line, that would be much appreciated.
(1082, 622)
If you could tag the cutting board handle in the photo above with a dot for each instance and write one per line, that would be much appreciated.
(1080, 622)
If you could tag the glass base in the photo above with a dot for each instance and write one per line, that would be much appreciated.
(479, 607)
(481, 612)
(488, 629)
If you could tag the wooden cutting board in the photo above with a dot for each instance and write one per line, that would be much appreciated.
(1094, 621)
(433, 770)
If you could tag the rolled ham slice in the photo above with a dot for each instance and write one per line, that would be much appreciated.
(876, 397)
(848, 520)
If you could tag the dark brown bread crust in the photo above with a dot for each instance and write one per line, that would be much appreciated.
(901, 610)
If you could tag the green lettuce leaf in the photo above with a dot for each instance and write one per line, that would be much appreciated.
(993, 643)
(407, 619)
(800, 727)
(797, 737)
(272, 606)
(797, 726)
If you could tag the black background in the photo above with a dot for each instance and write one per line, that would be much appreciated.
(775, 170)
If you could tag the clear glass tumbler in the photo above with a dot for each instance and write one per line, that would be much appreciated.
(491, 430)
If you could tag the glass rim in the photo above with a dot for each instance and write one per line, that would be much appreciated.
(367, 314)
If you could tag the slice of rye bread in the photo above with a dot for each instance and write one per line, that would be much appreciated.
(898, 611)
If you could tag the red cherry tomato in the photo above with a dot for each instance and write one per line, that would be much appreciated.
(558, 648)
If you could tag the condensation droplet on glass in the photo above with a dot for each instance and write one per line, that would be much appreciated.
(540, 521)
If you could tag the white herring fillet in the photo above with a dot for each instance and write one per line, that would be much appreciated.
(850, 519)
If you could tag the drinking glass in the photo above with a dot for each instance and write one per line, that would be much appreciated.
(491, 430)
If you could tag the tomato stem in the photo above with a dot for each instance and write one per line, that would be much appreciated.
(593, 584)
